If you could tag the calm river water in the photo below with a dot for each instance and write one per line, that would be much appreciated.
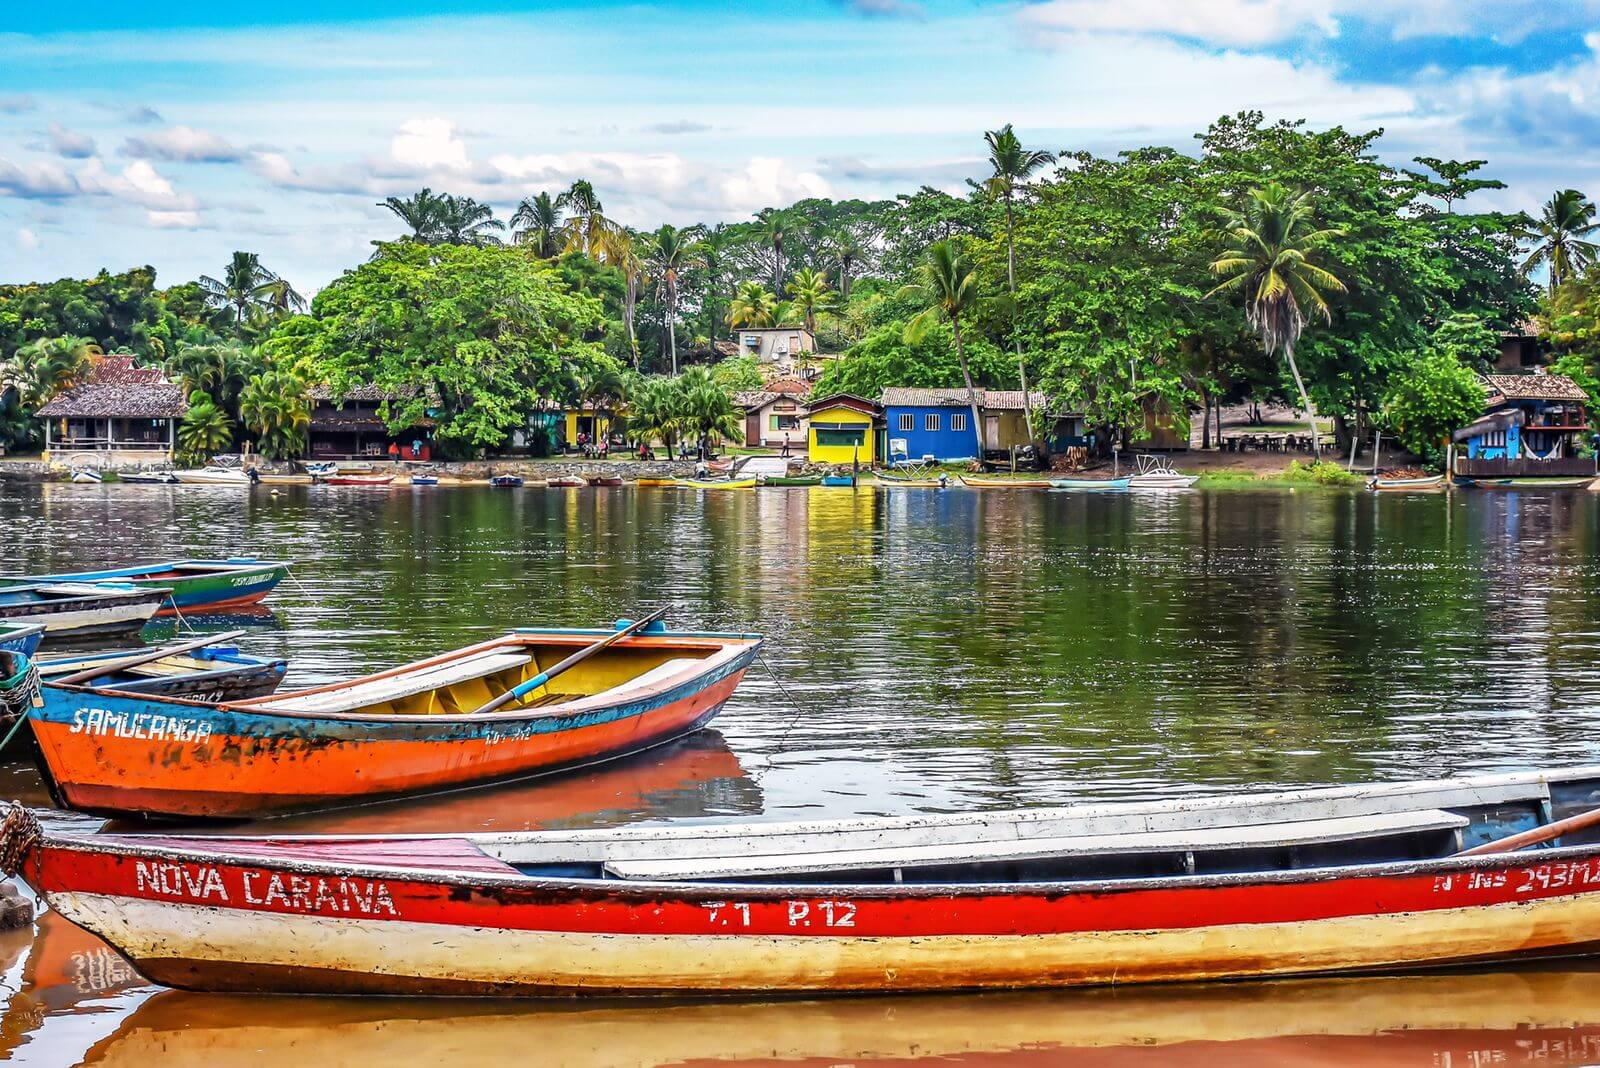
(928, 651)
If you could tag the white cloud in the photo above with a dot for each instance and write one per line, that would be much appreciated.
(1226, 22)
(429, 144)
(768, 180)
(183, 144)
(16, 103)
(27, 240)
(69, 143)
(41, 180)
(173, 220)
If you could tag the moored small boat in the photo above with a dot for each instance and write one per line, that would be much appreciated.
(1091, 485)
(838, 480)
(74, 608)
(602, 480)
(87, 476)
(565, 482)
(979, 482)
(353, 479)
(414, 729)
(21, 638)
(216, 673)
(717, 483)
(194, 585)
(1157, 473)
(271, 478)
(153, 478)
(218, 476)
(424, 480)
(1381, 484)
(785, 480)
(655, 482)
(1323, 882)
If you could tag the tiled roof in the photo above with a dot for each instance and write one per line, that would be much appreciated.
(995, 400)
(845, 400)
(361, 393)
(792, 386)
(119, 390)
(756, 398)
(1535, 387)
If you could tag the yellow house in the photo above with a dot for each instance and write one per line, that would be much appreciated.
(596, 423)
(842, 428)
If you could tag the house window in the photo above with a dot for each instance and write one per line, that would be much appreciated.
(752, 341)
(845, 438)
(785, 422)
(958, 421)
(908, 422)
(930, 422)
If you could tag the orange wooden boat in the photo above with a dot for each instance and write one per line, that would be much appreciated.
(414, 729)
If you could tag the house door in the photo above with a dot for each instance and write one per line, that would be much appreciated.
(991, 433)
(752, 428)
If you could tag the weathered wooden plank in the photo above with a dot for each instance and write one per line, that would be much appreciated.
(361, 695)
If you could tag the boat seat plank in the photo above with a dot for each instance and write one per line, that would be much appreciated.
(1299, 833)
(656, 674)
(377, 691)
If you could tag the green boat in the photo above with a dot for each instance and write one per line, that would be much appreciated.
(196, 585)
(798, 480)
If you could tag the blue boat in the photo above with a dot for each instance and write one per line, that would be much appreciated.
(215, 673)
(506, 481)
(21, 638)
(838, 480)
(1091, 484)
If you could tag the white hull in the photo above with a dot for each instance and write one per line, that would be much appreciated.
(1173, 481)
(212, 477)
(110, 617)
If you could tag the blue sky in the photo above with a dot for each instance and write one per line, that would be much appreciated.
(173, 134)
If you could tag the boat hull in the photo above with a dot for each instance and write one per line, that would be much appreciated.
(361, 916)
(1405, 485)
(1091, 485)
(104, 752)
(85, 616)
(229, 583)
(21, 638)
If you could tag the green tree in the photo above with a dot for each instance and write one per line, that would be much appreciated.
(752, 305)
(885, 357)
(247, 289)
(706, 409)
(738, 374)
(478, 338)
(219, 369)
(1267, 257)
(810, 292)
(205, 429)
(949, 284)
(1437, 394)
(621, 251)
(652, 412)
(1561, 237)
(587, 225)
(275, 406)
(1013, 165)
(421, 212)
(777, 227)
(537, 223)
(41, 369)
(669, 253)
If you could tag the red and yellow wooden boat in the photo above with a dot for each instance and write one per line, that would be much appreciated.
(413, 729)
(1301, 883)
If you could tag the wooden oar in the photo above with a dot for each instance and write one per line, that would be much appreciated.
(145, 658)
(583, 654)
(1512, 843)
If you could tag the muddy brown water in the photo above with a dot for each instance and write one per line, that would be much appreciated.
(929, 651)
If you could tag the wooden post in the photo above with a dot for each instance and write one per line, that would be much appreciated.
(1377, 449)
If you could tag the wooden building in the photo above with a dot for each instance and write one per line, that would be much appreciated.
(842, 429)
(120, 408)
(352, 426)
(776, 414)
(1532, 427)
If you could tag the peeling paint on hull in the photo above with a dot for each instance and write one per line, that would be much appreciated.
(476, 926)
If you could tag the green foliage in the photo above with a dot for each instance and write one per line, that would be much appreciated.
(275, 406)
(693, 406)
(1321, 473)
(1437, 394)
(443, 219)
(1469, 339)
(205, 429)
(480, 336)
(41, 369)
(886, 358)
(738, 374)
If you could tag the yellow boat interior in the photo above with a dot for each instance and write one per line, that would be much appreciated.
(460, 682)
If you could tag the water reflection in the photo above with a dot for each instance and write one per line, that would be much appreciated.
(1544, 1017)
(937, 650)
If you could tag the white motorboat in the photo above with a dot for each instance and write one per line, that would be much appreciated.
(1157, 472)
(218, 476)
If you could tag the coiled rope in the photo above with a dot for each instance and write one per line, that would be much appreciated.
(19, 836)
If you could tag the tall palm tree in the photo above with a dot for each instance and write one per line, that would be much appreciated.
(465, 221)
(588, 225)
(1267, 256)
(421, 212)
(716, 252)
(752, 305)
(669, 253)
(282, 297)
(620, 249)
(949, 285)
(206, 428)
(651, 412)
(1560, 237)
(706, 409)
(47, 366)
(1013, 165)
(219, 370)
(777, 227)
(810, 292)
(243, 289)
(850, 245)
(537, 222)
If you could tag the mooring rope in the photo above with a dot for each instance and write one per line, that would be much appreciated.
(19, 835)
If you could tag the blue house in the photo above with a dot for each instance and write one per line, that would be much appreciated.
(1532, 427)
(930, 422)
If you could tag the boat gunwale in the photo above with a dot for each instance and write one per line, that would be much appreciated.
(711, 669)
(127, 845)
(154, 572)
